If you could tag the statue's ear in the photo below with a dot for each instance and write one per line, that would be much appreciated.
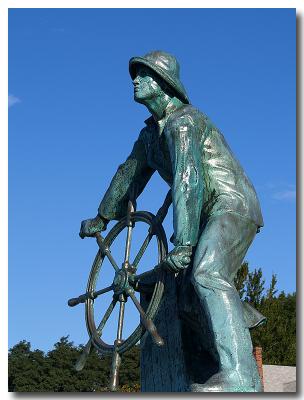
(166, 88)
(169, 91)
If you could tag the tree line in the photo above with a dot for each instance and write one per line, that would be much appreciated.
(277, 336)
(36, 371)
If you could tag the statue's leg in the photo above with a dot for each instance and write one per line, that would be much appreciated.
(219, 254)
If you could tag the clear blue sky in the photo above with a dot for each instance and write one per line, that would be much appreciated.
(72, 121)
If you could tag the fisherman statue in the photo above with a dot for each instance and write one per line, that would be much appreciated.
(216, 212)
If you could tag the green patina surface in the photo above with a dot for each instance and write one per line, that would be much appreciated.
(216, 215)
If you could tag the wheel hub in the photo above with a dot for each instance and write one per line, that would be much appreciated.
(120, 282)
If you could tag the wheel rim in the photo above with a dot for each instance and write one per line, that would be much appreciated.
(153, 306)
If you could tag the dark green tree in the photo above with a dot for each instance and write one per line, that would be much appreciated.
(130, 367)
(63, 376)
(272, 290)
(26, 368)
(240, 279)
(255, 287)
(34, 371)
(278, 336)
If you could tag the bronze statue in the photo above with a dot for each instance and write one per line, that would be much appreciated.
(216, 212)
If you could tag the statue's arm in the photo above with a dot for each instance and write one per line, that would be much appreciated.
(134, 172)
(187, 187)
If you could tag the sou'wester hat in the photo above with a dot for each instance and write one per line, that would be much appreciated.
(166, 66)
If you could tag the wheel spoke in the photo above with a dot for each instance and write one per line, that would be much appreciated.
(116, 360)
(129, 232)
(106, 317)
(86, 351)
(120, 320)
(83, 297)
(102, 291)
(105, 250)
(147, 322)
(158, 219)
(142, 249)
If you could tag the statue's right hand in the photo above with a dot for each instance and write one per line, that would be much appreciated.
(89, 227)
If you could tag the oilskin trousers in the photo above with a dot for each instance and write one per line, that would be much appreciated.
(219, 254)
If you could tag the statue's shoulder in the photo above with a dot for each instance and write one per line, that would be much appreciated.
(187, 111)
(188, 116)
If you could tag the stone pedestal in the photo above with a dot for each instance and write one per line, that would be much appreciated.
(163, 368)
(182, 361)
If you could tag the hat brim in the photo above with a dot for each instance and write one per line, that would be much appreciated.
(174, 84)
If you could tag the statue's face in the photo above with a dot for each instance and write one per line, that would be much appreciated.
(146, 85)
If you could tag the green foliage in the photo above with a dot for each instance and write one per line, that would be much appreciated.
(34, 371)
(272, 290)
(130, 369)
(254, 287)
(25, 368)
(241, 279)
(278, 336)
(61, 373)
(131, 388)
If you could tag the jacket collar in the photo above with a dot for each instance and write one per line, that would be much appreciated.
(173, 105)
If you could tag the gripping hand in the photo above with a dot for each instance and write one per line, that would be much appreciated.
(178, 259)
(90, 226)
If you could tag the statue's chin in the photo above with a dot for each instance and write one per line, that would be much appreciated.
(138, 99)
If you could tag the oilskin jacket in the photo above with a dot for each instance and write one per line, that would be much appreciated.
(192, 156)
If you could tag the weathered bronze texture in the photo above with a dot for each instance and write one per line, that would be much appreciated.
(216, 215)
(125, 282)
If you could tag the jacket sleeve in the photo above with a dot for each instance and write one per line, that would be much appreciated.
(187, 186)
(134, 171)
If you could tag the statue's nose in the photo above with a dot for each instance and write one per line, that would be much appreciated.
(136, 81)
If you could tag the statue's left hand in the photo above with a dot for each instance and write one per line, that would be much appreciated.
(89, 227)
(178, 259)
